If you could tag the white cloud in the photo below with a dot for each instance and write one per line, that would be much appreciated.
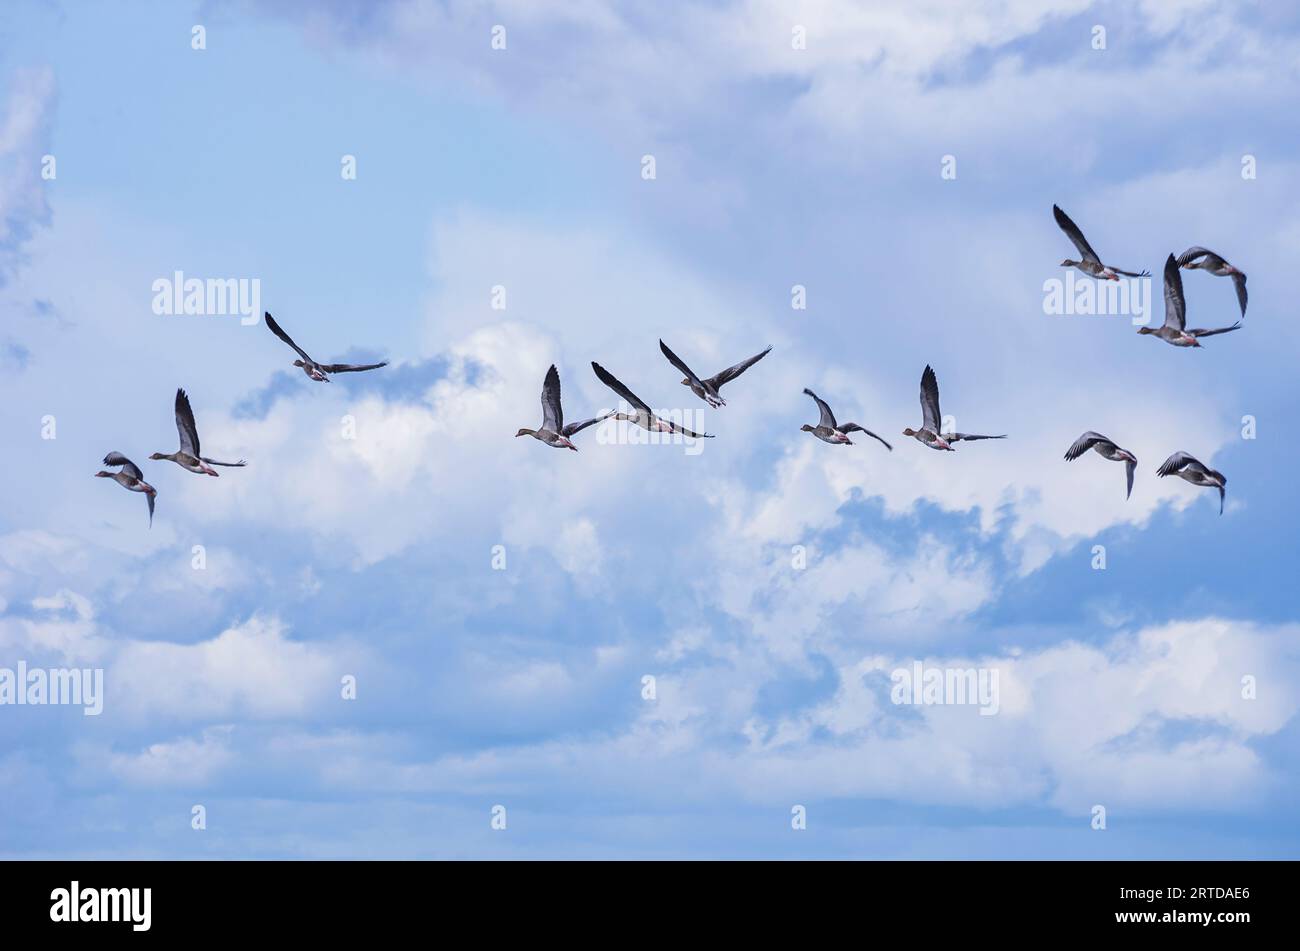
(1075, 729)
(1150, 720)
(64, 627)
(188, 761)
(250, 670)
(879, 75)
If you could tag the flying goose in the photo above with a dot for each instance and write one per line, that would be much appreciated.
(1091, 264)
(1207, 260)
(827, 430)
(1192, 470)
(309, 366)
(1173, 330)
(553, 431)
(1107, 450)
(129, 477)
(929, 434)
(187, 457)
(645, 417)
(707, 390)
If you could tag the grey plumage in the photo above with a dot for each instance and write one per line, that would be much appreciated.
(317, 371)
(1174, 330)
(931, 418)
(1107, 449)
(644, 417)
(1190, 469)
(189, 433)
(129, 477)
(707, 388)
(828, 430)
(554, 431)
(1090, 264)
(1206, 260)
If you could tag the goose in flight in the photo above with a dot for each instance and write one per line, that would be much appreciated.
(1091, 264)
(1174, 331)
(129, 477)
(1192, 470)
(1207, 260)
(827, 430)
(553, 431)
(309, 366)
(929, 434)
(707, 390)
(187, 457)
(645, 417)
(1107, 450)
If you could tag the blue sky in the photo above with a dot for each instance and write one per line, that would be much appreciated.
(372, 557)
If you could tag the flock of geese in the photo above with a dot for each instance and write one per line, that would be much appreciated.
(1173, 331)
(188, 456)
(556, 433)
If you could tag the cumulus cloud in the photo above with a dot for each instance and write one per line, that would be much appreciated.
(252, 669)
(187, 761)
(1077, 726)
(889, 76)
(770, 583)
(62, 626)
